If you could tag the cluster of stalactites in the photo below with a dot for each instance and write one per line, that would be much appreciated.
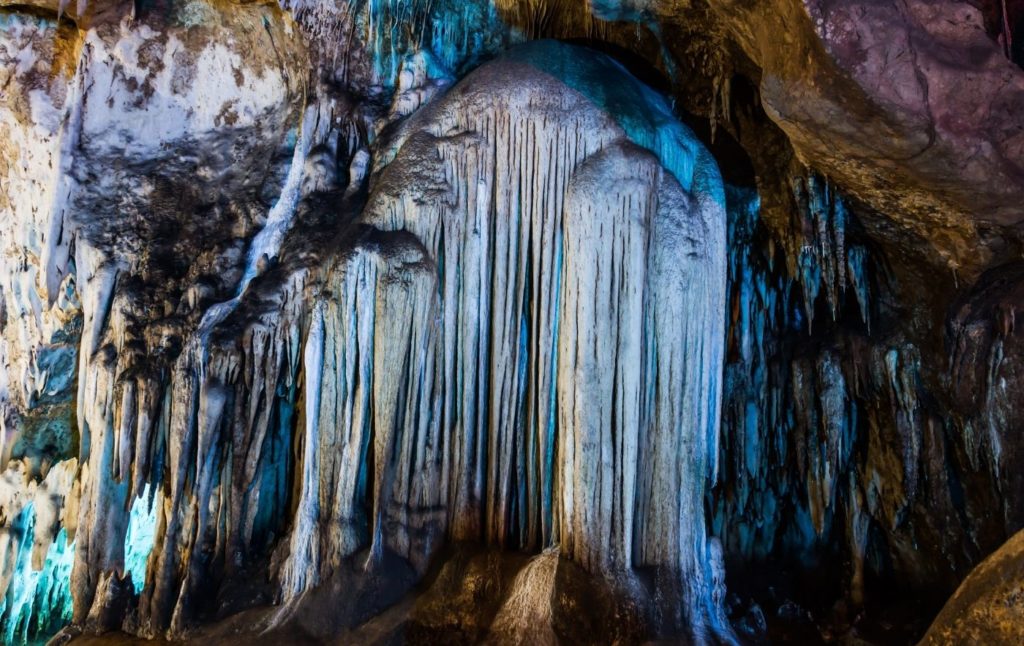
(780, 405)
(808, 437)
(375, 38)
(522, 350)
(441, 383)
(826, 262)
(219, 435)
(36, 550)
(756, 417)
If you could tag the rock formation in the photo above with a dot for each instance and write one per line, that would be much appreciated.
(372, 321)
(987, 606)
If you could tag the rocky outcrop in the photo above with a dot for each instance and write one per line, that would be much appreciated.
(909, 106)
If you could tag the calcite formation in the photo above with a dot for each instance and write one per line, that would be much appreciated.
(370, 321)
(493, 344)
(515, 342)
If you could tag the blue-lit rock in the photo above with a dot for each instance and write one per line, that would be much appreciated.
(140, 537)
(36, 551)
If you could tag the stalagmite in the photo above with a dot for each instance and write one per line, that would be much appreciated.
(527, 614)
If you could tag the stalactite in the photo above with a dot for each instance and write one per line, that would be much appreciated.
(1006, 32)
(462, 372)
(463, 411)
(517, 341)
(265, 246)
(795, 419)
(36, 550)
(825, 263)
(373, 39)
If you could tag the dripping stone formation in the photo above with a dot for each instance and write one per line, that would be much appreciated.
(511, 321)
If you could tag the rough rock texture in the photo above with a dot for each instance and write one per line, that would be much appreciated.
(39, 345)
(988, 607)
(109, 217)
(40, 350)
(985, 372)
(909, 106)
